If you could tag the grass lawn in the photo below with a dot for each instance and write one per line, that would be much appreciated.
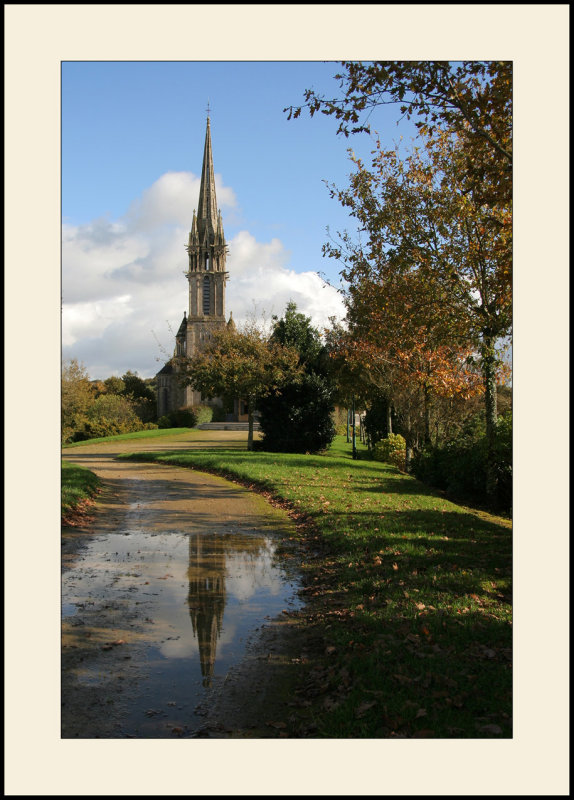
(79, 486)
(410, 593)
(126, 436)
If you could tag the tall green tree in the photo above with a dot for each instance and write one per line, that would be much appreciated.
(242, 363)
(299, 418)
(141, 395)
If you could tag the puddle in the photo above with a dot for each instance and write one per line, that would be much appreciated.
(153, 620)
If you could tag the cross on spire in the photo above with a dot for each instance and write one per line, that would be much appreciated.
(207, 109)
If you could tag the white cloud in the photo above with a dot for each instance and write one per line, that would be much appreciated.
(261, 279)
(124, 291)
(172, 199)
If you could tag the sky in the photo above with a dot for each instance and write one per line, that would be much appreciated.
(132, 142)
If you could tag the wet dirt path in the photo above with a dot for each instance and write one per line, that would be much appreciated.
(172, 601)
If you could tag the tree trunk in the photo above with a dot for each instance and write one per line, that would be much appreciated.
(389, 419)
(250, 422)
(427, 405)
(489, 376)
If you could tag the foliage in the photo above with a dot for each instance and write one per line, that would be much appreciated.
(109, 415)
(298, 419)
(203, 413)
(114, 385)
(243, 363)
(136, 388)
(436, 265)
(141, 395)
(391, 450)
(179, 418)
(471, 98)
(460, 465)
(410, 594)
(76, 397)
(430, 288)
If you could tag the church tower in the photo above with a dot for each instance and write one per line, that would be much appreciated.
(207, 253)
(207, 276)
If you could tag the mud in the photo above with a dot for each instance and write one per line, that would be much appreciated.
(179, 603)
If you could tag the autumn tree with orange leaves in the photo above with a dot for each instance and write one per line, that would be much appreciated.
(429, 287)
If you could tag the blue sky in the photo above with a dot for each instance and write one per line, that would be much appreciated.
(132, 146)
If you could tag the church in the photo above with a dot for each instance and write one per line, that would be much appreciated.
(207, 276)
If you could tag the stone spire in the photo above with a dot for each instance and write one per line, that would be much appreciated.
(207, 216)
(206, 244)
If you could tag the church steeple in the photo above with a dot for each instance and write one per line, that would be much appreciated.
(207, 217)
(206, 276)
(206, 245)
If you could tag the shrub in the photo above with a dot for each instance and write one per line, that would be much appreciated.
(203, 414)
(109, 415)
(459, 466)
(183, 418)
(391, 450)
(299, 419)
(180, 418)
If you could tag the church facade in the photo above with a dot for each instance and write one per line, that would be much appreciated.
(206, 275)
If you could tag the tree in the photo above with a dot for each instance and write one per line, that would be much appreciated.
(114, 385)
(76, 398)
(432, 282)
(110, 415)
(299, 418)
(244, 363)
(470, 98)
(141, 395)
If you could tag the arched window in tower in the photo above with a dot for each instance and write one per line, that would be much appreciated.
(206, 295)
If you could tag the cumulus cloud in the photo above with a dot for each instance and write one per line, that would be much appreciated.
(124, 290)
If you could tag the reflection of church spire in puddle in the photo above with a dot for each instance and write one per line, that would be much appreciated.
(206, 596)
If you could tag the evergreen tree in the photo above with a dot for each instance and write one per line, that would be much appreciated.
(299, 418)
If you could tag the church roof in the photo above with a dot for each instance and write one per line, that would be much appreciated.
(183, 327)
(167, 369)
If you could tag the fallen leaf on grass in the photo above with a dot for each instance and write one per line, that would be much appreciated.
(494, 729)
(364, 707)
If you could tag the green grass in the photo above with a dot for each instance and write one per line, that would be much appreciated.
(135, 435)
(411, 593)
(79, 485)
